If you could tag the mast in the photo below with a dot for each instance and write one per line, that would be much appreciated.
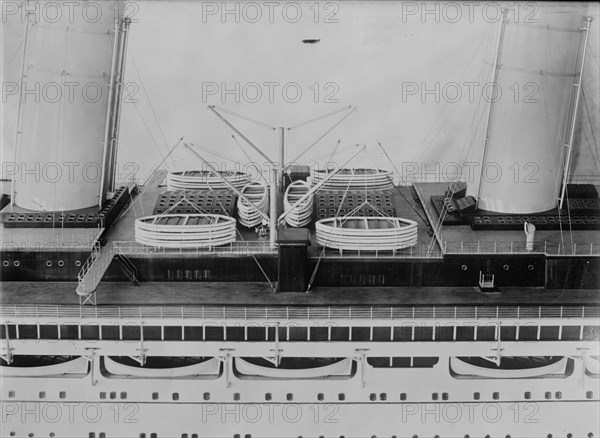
(577, 85)
(491, 108)
(20, 109)
(113, 111)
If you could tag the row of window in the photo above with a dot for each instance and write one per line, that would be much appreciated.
(49, 263)
(320, 396)
(195, 435)
(301, 334)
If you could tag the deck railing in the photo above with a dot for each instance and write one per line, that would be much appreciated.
(299, 312)
(239, 247)
(511, 247)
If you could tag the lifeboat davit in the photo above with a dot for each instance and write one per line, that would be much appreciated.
(185, 230)
(301, 215)
(258, 195)
(206, 180)
(366, 233)
(354, 179)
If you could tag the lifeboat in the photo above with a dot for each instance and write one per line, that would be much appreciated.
(185, 230)
(210, 368)
(592, 366)
(354, 179)
(251, 369)
(258, 195)
(510, 367)
(206, 180)
(45, 366)
(366, 233)
(301, 215)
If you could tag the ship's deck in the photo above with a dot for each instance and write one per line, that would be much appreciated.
(462, 239)
(454, 239)
(259, 294)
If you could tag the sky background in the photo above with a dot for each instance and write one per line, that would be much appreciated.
(367, 55)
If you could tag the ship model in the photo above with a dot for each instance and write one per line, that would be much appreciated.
(311, 302)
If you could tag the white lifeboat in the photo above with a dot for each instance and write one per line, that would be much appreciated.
(354, 179)
(185, 230)
(206, 180)
(301, 215)
(366, 233)
(258, 195)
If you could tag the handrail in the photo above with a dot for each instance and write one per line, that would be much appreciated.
(100, 259)
(518, 247)
(301, 312)
(127, 247)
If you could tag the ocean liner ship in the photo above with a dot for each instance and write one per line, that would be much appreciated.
(328, 302)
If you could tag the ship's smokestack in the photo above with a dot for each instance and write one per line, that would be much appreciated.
(67, 70)
(536, 65)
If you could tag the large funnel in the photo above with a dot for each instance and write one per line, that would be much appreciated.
(535, 70)
(64, 102)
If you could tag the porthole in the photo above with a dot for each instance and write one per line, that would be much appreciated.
(17, 263)
(6, 263)
(12, 434)
(42, 394)
(506, 267)
(61, 263)
(206, 396)
(589, 394)
(51, 435)
(464, 267)
(49, 263)
(62, 394)
(289, 396)
(268, 396)
(236, 396)
(11, 394)
(77, 263)
(530, 267)
(155, 396)
(320, 396)
(548, 395)
(496, 395)
(175, 396)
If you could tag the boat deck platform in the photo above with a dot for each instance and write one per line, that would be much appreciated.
(259, 294)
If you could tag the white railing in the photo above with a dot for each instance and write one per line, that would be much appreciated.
(413, 252)
(129, 247)
(299, 312)
(511, 247)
